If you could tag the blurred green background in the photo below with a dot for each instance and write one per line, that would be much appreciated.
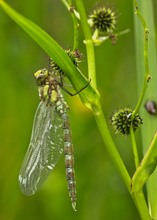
(100, 190)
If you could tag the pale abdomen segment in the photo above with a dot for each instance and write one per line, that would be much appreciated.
(69, 161)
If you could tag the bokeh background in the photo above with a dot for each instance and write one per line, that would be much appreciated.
(100, 190)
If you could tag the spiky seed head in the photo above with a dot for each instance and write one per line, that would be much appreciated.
(103, 19)
(75, 57)
(121, 121)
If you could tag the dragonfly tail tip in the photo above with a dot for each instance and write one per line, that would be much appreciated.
(74, 206)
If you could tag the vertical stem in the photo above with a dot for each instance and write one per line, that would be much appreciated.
(141, 205)
(69, 6)
(103, 129)
(88, 42)
(134, 147)
(101, 122)
(146, 66)
(138, 197)
(150, 122)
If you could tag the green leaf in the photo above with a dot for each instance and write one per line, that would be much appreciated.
(89, 96)
(146, 167)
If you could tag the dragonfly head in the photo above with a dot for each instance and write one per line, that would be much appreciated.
(41, 76)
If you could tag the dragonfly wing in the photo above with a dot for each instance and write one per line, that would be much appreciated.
(45, 148)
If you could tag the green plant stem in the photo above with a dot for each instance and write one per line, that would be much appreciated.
(141, 205)
(88, 42)
(76, 35)
(109, 143)
(91, 96)
(134, 147)
(150, 122)
(146, 64)
(147, 166)
(138, 198)
(97, 110)
(65, 3)
(143, 172)
(68, 5)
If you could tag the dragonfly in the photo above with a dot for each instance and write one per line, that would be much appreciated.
(51, 135)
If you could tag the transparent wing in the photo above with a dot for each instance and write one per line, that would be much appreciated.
(46, 146)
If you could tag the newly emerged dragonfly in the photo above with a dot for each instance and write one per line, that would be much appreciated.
(51, 135)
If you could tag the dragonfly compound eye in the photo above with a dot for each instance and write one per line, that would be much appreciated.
(41, 76)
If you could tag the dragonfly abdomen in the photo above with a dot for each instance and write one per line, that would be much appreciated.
(62, 109)
(69, 161)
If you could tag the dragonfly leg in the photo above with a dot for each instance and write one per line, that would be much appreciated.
(67, 91)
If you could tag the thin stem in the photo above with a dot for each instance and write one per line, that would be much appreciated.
(146, 64)
(138, 197)
(97, 110)
(76, 36)
(141, 205)
(150, 122)
(112, 150)
(75, 22)
(134, 147)
(97, 40)
(89, 43)
(65, 3)
(100, 119)
(147, 166)
(122, 32)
